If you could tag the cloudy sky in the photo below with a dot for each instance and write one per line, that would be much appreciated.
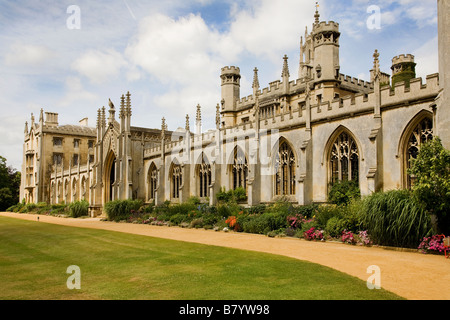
(72, 56)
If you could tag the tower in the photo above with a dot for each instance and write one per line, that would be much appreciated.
(325, 42)
(443, 102)
(231, 79)
(403, 69)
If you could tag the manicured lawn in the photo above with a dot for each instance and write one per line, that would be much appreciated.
(34, 257)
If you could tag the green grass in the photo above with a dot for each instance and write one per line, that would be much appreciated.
(34, 257)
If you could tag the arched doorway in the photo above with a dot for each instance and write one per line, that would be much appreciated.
(110, 177)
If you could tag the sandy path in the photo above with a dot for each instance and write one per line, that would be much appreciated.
(409, 274)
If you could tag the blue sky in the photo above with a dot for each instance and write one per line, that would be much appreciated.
(168, 54)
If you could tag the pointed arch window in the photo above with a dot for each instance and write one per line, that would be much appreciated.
(152, 181)
(177, 180)
(344, 159)
(422, 133)
(285, 170)
(239, 169)
(204, 178)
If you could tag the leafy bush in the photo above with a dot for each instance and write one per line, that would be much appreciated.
(122, 209)
(79, 209)
(395, 218)
(342, 192)
(431, 169)
(335, 226)
(325, 213)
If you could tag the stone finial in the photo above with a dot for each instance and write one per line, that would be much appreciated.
(218, 116)
(32, 119)
(122, 107)
(187, 123)
(199, 114)
(26, 127)
(98, 118)
(376, 61)
(285, 72)
(41, 116)
(128, 104)
(255, 79)
(163, 127)
(317, 15)
(103, 117)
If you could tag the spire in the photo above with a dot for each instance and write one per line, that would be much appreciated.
(255, 85)
(32, 120)
(187, 123)
(285, 72)
(199, 113)
(218, 116)
(376, 61)
(41, 116)
(128, 104)
(198, 120)
(26, 127)
(122, 107)
(99, 116)
(163, 128)
(317, 15)
(103, 117)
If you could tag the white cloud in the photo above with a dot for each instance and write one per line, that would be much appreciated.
(27, 55)
(98, 66)
(75, 93)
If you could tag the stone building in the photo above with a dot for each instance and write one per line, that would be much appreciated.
(292, 139)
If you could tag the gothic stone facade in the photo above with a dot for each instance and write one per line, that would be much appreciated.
(292, 139)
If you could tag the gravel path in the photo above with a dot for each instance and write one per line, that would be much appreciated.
(409, 274)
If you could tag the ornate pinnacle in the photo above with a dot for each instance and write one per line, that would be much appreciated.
(187, 123)
(376, 61)
(317, 15)
(218, 116)
(285, 72)
(199, 114)
(163, 128)
(99, 115)
(255, 79)
(122, 106)
(128, 103)
(103, 117)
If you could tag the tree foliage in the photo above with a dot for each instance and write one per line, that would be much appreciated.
(431, 169)
(9, 185)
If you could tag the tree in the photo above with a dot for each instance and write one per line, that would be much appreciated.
(9, 185)
(431, 169)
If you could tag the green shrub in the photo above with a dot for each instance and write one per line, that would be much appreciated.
(239, 194)
(342, 192)
(335, 226)
(395, 218)
(431, 169)
(326, 212)
(122, 209)
(79, 208)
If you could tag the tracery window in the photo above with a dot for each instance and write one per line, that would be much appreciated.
(344, 159)
(239, 169)
(285, 170)
(152, 181)
(176, 181)
(204, 177)
(421, 134)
